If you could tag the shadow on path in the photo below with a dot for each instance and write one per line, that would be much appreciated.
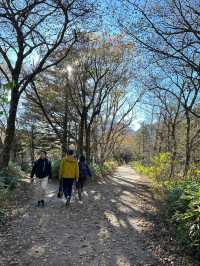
(108, 229)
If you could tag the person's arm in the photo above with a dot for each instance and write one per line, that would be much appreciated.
(33, 169)
(77, 171)
(61, 169)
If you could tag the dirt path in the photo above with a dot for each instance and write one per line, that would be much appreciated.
(108, 229)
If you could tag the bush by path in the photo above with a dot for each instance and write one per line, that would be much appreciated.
(104, 169)
(182, 210)
(9, 180)
(181, 202)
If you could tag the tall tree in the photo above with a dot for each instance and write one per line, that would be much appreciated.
(33, 29)
(102, 66)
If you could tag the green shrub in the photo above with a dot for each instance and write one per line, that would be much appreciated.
(183, 209)
(13, 169)
(96, 170)
(9, 179)
(194, 170)
(3, 216)
(55, 168)
(102, 170)
(4, 193)
(142, 169)
(26, 168)
(158, 167)
(111, 165)
(10, 176)
(161, 165)
(8, 182)
(182, 199)
(106, 168)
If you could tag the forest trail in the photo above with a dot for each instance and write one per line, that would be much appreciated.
(108, 229)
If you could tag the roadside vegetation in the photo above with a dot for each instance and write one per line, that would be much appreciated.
(180, 197)
(10, 180)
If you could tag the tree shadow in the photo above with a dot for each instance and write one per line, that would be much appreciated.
(121, 235)
(109, 229)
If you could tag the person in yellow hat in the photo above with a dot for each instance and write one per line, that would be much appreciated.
(69, 172)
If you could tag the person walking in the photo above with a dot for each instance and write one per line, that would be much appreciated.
(42, 170)
(69, 171)
(84, 173)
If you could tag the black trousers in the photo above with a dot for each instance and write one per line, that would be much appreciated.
(81, 182)
(67, 187)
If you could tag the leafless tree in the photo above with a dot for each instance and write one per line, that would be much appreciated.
(112, 124)
(101, 68)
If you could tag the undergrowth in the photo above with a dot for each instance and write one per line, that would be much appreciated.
(181, 198)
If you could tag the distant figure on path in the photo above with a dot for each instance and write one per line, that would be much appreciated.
(69, 171)
(84, 172)
(42, 171)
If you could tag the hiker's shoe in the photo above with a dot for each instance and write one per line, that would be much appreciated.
(42, 202)
(38, 204)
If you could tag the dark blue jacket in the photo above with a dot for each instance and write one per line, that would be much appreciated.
(84, 170)
(41, 168)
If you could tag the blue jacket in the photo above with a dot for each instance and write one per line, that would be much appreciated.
(84, 170)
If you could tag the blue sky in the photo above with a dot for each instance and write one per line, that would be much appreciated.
(110, 11)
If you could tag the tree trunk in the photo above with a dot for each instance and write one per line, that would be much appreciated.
(64, 140)
(68, 136)
(32, 145)
(174, 151)
(161, 138)
(87, 142)
(187, 147)
(10, 129)
(169, 145)
(81, 132)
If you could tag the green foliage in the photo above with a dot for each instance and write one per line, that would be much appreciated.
(96, 170)
(3, 213)
(182, 200)
(194, 170)
(161, 165)
(183, 209)
(4, 93)
(108, 167)
(158, 168)
(55, 168)
(13, 170)
(10, 85)
(26, 168)
(9, 178)
(8, 182)
(102, 170)
(142, 169)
